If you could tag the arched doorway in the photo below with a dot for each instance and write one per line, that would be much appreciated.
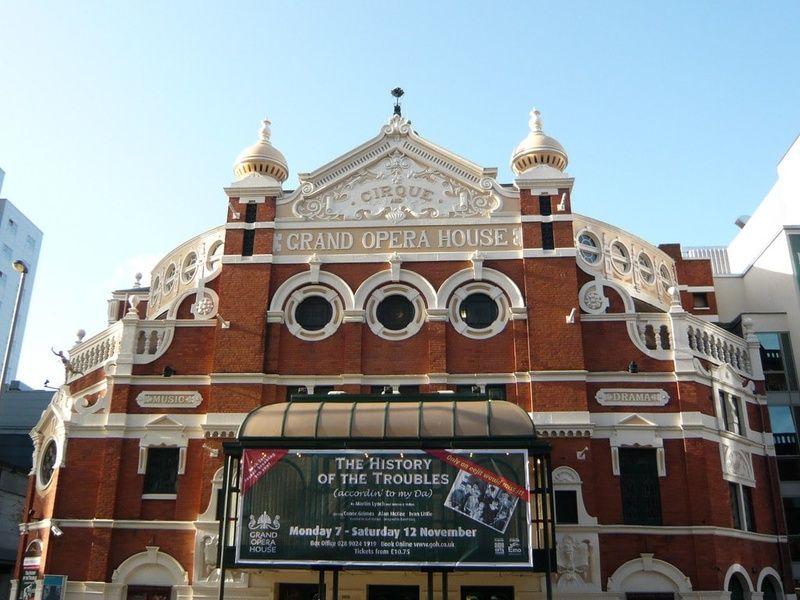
(737, 588)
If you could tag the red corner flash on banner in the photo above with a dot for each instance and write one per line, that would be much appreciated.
(256, 462)
(481, 472)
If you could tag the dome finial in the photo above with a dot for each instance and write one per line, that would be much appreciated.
(538, 149)
(265, 132)
(262, 157)
(535, 122)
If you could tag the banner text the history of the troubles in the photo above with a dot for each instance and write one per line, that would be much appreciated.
(385, 508)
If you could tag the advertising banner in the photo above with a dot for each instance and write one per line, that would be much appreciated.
(385, 508)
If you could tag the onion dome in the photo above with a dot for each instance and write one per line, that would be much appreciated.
(538, 149)
(262, 157)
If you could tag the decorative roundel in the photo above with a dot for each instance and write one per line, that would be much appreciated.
(395, 312)
(589, 247)
(313, 312)
(47, 463)
(479, 310)
(169, 278)
(646, 270)
(620, 257)
(189, 267)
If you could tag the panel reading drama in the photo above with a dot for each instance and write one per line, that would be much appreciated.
(385, 508)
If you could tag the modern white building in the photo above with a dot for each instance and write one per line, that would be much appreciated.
(757, 278)
(20, 239)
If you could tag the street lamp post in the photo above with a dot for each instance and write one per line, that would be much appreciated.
(21, 268)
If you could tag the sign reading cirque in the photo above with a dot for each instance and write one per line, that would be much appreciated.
(385, 508)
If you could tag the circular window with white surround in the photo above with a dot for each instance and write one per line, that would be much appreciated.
(589, 247)
(665, 278)
(620, 257)
(395, 312)
(313, 312)
(646, 271)
(155, 291)
(189, 267)
(169, 278)
(47, 464)
(214, 256)
(479, 310)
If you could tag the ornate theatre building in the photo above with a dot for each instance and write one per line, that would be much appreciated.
(407, 380)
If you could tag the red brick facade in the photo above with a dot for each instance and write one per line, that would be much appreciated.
(563, 354)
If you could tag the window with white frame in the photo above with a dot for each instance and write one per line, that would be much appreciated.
(162, 458)
(732, 413)
(161, 472)
(742, 507)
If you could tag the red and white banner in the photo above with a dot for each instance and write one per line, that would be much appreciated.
(256, 463)
(480, 472)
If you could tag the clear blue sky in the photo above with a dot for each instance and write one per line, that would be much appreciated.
(119, 121)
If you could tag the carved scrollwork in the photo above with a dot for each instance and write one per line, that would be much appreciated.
(574, 558)
(397, 125)
(308, 188)
(394, 189)
(486, 183)
(566, 475)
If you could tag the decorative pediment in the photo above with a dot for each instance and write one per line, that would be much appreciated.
(397, 176)
(727, 375)
(636, 421)
(164, 422)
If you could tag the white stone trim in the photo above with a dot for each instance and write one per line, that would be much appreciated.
(738, 569)
(255, 259)
(567, 479)
(459, 256)
(412, 295)
(288, 287)
(162, 399)
(647, 564)
(410, 278)
(308, 291)
(255, 225)
(565, 252)
(592, 299)
(493, 292)
(737, 462)
(163, 432)
(501, 280)
(631, 397)
(637, 432)
(769, 572)
(151, 560)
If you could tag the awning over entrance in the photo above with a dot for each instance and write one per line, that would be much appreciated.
(417, 419)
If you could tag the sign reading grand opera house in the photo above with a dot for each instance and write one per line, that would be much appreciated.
(405, 379)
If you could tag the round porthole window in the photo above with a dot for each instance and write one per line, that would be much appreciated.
(646, 270)
(479, 310)
(620, 257)
(169, 278)
(589, 248)
(189, 267)
(47, 464)
(313, 313)
(395, 312)
(665, 278)
(214, 256)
